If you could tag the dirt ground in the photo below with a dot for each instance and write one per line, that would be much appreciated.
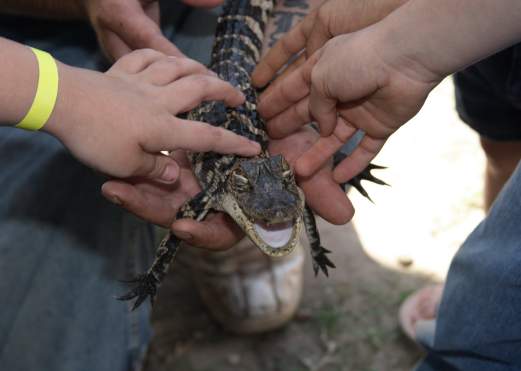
(348, 322)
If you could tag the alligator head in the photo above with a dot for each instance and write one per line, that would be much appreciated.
(264, 200)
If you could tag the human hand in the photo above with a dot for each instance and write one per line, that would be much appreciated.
(322, 193)
(354, 82)
(159, 203)
(120, 121)
(126, 25)
(330, 19)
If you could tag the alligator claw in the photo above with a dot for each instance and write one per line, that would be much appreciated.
(321, 261)
(365, 175)
(146, 287)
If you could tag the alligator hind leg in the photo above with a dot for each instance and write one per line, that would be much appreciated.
(146, 284)
(318, 253)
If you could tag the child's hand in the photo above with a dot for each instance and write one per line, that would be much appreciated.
(120, 121)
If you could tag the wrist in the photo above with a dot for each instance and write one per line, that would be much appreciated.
(19, 77)
(70, 102)
(56, 120)
(400, 55)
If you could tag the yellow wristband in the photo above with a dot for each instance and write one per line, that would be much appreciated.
(46, 93)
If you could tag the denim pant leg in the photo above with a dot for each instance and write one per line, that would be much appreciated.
(62, 250)
(191, 29)
(63, 247)
(479, 319)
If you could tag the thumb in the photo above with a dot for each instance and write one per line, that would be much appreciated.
(160, 168)
(139, 31)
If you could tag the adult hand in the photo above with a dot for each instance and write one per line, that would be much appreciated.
(354, 82)
(159, 203)
(120, 121)
(330, 19)
(322, 193)
(126, 25)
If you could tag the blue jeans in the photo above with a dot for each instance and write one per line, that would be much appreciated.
(63, 247)
(479, 318)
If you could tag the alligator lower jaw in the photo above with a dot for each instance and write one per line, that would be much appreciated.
(275, 235)
(277, 239)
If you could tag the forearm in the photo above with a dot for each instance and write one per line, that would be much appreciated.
(444, 36)
(19, 75)
(63, 9)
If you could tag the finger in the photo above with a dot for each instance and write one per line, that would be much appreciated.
(136, 61)
(291, 43)
(289, 69)
(217, 232)
(324, 149)
(188, 92)
(285, 73)
(288, 92)
(321, 106)
(358, 159)
(158, 167)
(320, 32)
(290, 120)
(145, 205)
(139, 31)
(167, 70)
(153, 11)
(197, 136)
(113, 47)
(326, 198)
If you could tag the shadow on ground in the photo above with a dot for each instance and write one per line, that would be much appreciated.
(345, 323)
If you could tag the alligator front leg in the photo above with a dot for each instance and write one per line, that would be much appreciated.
(148, 282)
(318, 253)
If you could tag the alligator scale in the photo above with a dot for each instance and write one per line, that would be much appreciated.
(259, 193)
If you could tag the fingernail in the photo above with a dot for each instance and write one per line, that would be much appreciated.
(300, 168)
(115, 200)
(185, 236)
(170, 173)
(256, 145)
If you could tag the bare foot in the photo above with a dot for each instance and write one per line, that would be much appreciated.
(420, 305)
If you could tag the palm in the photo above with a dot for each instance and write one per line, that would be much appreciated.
(153, 201)
(322, 193)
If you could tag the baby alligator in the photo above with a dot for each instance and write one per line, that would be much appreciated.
(259, 193)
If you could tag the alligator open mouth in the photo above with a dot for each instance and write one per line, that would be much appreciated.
(274, 239)
(275, 235)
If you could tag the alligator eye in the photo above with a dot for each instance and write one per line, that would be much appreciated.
(240, 182)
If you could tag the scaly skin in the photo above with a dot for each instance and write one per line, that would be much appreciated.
(259, 193)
